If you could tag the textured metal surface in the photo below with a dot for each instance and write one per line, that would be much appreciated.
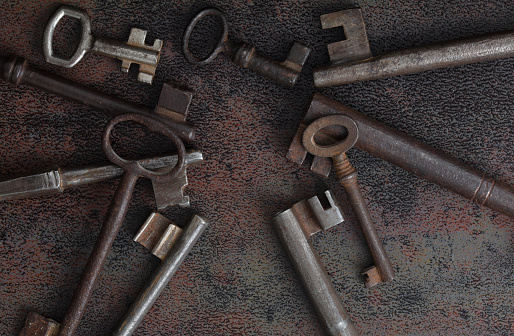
(453, 259)
(162, 275)
(17, 70)
(408, 153)
(244, 54)
(290, 226)
(134, 51)
(362, 67)
(346, 175)
(56, 181)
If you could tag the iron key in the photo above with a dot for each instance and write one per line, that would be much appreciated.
(173, 101)
(346, 174)
(134, 51)
(352, 61)
(117, 211)
(244, 54)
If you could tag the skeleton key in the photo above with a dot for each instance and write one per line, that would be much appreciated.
(244, 54)
(169, 243)
(117, 211)
(134, 51)
(55, 181)
(346, 174)
(352, 60)
(16, 70)
(405, 152)
(294, 227)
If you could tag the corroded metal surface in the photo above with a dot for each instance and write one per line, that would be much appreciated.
(452, 258)
(352, 61)
(245, 55)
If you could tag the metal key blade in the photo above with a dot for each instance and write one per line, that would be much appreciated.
(56, 181)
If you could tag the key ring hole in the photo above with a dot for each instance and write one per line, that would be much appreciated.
(134, 167)
(330, 136)
(85, 41)
(190, 37)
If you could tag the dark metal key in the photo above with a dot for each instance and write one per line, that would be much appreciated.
(346, 175)
(117, 211)
(352, 61)
(16, 70)
(244, 54)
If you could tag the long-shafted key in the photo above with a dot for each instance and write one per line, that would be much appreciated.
(116, 213)
(169, 243)
(352, 61)
(244, 54)
(133, 51)
(55, 181)
(406, 152)
(173, 102)
(294, 227)
(346, 174)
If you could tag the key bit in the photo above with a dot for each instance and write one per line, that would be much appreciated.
(137, 38)
(351, 60)
(346, 174)
(245, 55)
(171, 244)
(38, 325)
(167, 193)
(134, 51)
(294, 227)
(17, 70)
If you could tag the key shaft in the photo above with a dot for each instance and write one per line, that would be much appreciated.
(17, 70)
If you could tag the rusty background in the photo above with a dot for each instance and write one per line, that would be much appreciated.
(454, 260)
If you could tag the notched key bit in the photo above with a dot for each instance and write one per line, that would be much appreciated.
(171, 244)
(352, 61)
(245, 55)
(294, 227)
(134, 51)
(167, 193)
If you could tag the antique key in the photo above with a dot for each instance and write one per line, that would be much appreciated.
(352, 60)
(294, 227)
(244, 54)
(405, 152)
(169, 243)
(117, 211)
(134, 51)
(57, 180)
(173, 101)
(346, 175)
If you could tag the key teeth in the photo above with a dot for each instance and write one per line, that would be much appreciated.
(297, 57)
(38, 325)
(329, 216)
(356, 45)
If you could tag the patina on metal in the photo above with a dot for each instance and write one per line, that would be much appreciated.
(352, 61)
(133, 51)
(346, 175)
(406, 152)
(117, 211)
(57, 180)
(16, 70)
(38, 325)
(172, 245)
(245, 55)
(294, 227)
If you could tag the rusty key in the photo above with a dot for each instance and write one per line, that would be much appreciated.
(352, 61)
(346, 174)
(405, 152)
(117, 211)
(16, 70)
(133, 51)
(244, 54)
